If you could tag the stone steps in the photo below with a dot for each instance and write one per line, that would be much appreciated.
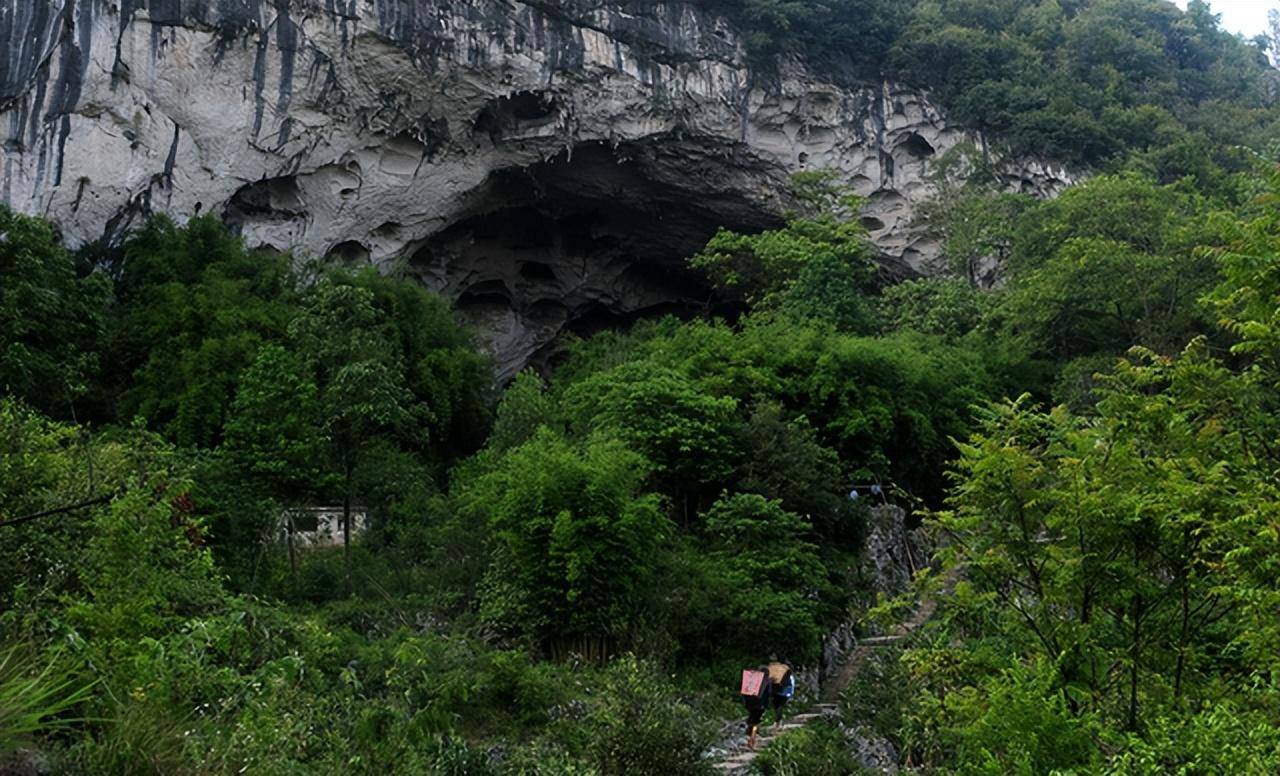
(881, 641)
(740, 762)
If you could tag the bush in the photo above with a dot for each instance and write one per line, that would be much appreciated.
(576, 541)
(1223, 738)
(637, 727)
(813, 750)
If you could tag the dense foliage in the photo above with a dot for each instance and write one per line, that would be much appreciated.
(1110, 571)
(1079, 81)
(566, 574)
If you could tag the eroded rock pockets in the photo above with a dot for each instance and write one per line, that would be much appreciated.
(549, 164)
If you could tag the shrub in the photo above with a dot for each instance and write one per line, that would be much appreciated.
(637, 727)
(813, 750)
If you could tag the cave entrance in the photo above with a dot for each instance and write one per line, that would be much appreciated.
(591, 240)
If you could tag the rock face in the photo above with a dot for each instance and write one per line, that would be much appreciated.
(547, 163)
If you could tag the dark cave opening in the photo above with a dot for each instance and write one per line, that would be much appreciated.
(603, 233)
(916, 146)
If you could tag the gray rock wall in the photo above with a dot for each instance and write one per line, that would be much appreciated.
(547, 163)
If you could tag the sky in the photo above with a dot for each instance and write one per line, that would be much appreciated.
(1247, 17)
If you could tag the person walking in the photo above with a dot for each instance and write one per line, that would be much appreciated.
(756, 692)
(782, 686)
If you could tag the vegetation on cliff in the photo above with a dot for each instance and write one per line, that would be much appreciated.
(563, 575)
(1111, 83)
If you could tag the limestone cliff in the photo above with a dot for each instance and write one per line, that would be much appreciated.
(547, 163)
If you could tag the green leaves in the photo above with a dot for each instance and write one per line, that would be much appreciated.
(577, 542)
(683, 431)
(275, 431)
(52, 319)
(816, 268)
(35, 699)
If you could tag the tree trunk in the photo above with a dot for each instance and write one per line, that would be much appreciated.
(1182, 640)
(1134, 652)
(346, 520)
(293, 555)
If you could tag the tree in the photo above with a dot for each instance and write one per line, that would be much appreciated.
(816, 267)
(577, 542)
(756, 584)
(784, 460)
(938, 306)
(1105, 547)
(973, 218)
(1113, 263)
(194, 308)
(275, 426)
(52, 317)
(525, 407)
(683, 431)
(362, 392)
(443, 368)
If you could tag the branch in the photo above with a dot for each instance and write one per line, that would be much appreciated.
(58, 511)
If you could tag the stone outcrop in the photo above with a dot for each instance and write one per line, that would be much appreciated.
(546, 163)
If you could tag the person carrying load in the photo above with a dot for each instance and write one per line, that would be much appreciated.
(756, 690)
(783, 686)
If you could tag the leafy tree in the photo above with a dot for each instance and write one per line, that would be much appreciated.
(972, 217)
(683, 431)
(120, 551)
(362, 392)
(938, 306)
(1113, 263)
(43, 465)
(274, 429)
(758, 583)
(784, 460)
(1087, 82)
(525, 407)
(52, 317)
(195, 306)
(1109, 539)
(442, 367)
(576, 542)
(888, 407)
(815, 267)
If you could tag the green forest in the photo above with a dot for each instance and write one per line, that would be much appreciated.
(566, 574)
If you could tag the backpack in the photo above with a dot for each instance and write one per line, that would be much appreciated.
(778, 673)
(752, 683)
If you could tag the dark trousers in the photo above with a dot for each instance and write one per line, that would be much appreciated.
(778, 702)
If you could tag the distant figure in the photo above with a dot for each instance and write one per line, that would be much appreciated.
(875, 490)
(756, 691)
(783, 686)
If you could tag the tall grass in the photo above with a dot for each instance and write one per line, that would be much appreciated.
(34, 699)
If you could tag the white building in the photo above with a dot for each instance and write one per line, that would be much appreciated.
(321, 526)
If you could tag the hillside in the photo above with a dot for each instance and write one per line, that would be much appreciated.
(480, 386)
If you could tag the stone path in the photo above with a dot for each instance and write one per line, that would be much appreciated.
(739, 762)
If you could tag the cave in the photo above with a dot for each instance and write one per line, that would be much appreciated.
(514, 113)
(917, 147)
(349, 253)
(590, 239)
(272, 199)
